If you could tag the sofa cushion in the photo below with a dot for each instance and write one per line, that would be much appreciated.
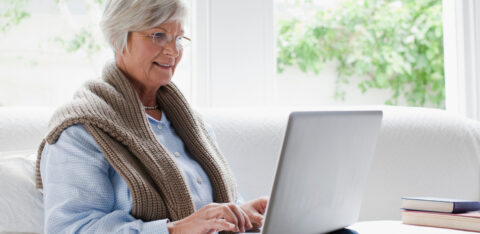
(21, 202)
(22, 128)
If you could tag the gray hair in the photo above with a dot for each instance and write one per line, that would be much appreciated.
(120, 17)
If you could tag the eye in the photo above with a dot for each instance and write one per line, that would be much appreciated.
(180, 38)
(182, 41)
(159, 36)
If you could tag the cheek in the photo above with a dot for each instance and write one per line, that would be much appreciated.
(142, 55)
(137, 65)
(147, 56)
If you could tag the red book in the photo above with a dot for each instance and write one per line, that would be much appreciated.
(466, 221)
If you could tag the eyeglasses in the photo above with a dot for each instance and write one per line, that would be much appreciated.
(161, 38)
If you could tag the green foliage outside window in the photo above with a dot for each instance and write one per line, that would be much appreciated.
(12, 12)
(394, 45)
(81, 40)
(84, 38)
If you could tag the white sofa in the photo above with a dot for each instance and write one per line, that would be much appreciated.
(420, 152)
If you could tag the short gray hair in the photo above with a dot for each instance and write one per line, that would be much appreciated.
(120, 17)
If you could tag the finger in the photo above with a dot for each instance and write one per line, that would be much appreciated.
(209, 211)
(219, 211)
(261, 204)
(256, 219)
(220, 225)
(247, 219)
(225, 212)
(241, 219)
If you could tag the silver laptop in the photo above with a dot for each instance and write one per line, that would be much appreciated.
(322, 171)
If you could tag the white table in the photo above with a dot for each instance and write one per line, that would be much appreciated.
(396, 227)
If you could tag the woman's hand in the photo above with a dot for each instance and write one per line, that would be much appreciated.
(212, 218)
(255, 210)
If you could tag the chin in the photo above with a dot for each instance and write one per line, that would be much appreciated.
(161, 79)
(165, 82)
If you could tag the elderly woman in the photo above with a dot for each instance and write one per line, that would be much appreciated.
(128, 154)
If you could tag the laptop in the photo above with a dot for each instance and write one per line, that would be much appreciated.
(322, 171)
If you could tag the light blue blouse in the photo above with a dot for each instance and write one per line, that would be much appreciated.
(83, 193)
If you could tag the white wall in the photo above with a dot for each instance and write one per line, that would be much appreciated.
(234, 53)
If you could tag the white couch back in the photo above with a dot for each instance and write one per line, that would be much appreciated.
(420, 152)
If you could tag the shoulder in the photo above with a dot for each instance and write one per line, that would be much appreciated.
(74, 144)
(77, 136)
(74, 153)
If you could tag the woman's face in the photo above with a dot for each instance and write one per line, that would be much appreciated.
(152, 65)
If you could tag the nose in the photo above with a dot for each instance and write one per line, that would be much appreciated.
(171, 49)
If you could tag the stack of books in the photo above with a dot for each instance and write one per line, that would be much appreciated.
(442, 213)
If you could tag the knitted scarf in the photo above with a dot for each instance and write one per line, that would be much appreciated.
(112, 113)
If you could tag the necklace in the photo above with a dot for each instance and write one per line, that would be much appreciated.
(150, 107)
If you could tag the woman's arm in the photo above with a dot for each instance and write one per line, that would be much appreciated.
(79, 195)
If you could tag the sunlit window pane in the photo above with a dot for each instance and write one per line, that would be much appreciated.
(50, 51)
(359, 52)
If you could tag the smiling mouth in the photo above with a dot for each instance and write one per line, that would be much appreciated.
(164, 66)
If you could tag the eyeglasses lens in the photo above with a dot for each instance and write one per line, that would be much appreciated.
(160, 38)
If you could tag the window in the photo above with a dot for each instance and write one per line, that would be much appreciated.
(360, 52)
(462, 63)
(318, 53)
(254, 53)
(49, 48)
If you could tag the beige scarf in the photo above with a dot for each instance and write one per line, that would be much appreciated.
(111, 111)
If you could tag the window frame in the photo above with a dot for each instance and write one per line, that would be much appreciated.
(462, 57)
(220, 56)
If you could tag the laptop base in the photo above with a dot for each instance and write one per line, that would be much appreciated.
(344, 231)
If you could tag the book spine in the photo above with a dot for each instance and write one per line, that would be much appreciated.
(462, 207)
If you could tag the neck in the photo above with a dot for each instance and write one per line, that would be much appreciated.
(148, 97)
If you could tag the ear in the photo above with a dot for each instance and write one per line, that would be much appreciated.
(120, 61)
(128, 47)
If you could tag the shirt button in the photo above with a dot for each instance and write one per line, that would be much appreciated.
(159, 127)
(177, 154)
(199, 180)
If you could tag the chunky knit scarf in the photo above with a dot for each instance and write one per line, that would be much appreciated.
(111, 111)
